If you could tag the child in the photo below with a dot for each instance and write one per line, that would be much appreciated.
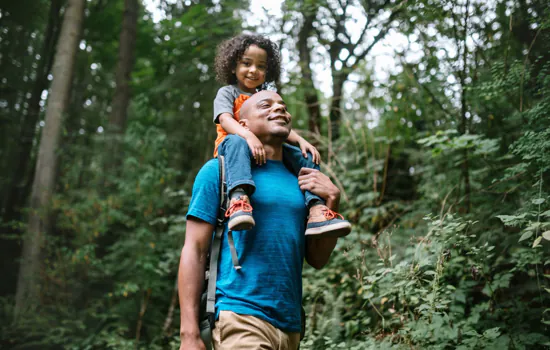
(246, 63)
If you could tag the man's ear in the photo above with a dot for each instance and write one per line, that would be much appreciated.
(244, 123)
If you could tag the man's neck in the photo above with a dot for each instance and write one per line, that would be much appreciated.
(274, 152)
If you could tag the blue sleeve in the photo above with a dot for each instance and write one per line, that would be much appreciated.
(205, 200)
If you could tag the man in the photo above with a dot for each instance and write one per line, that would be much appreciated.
(258, 306)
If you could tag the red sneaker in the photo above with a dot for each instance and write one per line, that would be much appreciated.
(240, 214)
(324, 222)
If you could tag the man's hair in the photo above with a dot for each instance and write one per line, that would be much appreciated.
(230, 51)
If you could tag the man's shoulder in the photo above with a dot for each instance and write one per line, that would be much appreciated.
(205, 198)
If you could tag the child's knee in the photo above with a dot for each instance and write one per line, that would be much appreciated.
(235, 140)
(313, 165)
(308, 162)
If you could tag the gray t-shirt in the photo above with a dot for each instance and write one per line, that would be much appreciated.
(223, 103)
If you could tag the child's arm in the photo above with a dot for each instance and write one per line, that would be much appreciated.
(304, 146)
(232, 126)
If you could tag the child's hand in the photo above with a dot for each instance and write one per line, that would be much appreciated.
(257, 148)
(308, 147)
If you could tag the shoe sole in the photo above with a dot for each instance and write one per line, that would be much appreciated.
(335, 231)
(241, 223)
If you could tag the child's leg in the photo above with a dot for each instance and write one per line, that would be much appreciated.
(294, 161)
(321, 221)
(240, 185)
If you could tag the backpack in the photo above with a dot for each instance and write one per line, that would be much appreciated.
(207, 310)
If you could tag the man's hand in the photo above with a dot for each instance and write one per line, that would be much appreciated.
(188, 342)
(308, 147)
(257, 148)
(318, 183)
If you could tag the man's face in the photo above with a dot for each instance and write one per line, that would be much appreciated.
(267, 116)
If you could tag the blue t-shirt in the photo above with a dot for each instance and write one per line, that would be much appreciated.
(269, 284)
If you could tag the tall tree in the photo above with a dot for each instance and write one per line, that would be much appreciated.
(464, 114)
(336, 32)
(20, 39)
(311, 98)
(44, 178)
(121, 97)
(18, 191)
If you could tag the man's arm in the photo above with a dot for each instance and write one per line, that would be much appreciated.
(318, 250)
(190, 280)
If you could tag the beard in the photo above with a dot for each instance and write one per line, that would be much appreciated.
(280, 133)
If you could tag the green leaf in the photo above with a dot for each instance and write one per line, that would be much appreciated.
(546, 235)
(525, 236)
(546, 213)
(510, 220)
(537, 241)
(492, 333)
(538, 201)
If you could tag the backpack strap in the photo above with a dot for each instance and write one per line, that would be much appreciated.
(233, 250)
(216, 243)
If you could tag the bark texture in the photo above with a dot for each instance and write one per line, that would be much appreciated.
(121, 97)
(18, 190)
(311, 98)
(44, 178)
(341, 68)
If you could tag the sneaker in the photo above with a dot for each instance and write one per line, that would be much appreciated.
(240, 214)
(324, 222)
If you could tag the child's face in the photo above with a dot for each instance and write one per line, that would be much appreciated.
(251, 69)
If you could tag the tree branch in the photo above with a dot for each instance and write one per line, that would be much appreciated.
(142, 310)
(430, 92)
(398, 9)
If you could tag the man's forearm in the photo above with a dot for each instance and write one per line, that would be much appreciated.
(319, 249)
(190, 283)
(333, 201)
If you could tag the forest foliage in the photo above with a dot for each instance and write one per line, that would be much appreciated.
(443, 158)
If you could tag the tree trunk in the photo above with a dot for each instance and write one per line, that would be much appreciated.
(464, 127)
(16, 191)
(338, 79)
(44, 177)
(310, 93)
(121, 98)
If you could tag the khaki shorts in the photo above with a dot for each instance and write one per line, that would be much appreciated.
(235, 332)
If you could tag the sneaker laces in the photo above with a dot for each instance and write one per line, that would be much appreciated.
(330, 214)
(238, 205)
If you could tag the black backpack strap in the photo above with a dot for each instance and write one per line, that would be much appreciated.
(216, 243)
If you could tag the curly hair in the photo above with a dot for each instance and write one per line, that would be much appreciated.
(230, 51)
